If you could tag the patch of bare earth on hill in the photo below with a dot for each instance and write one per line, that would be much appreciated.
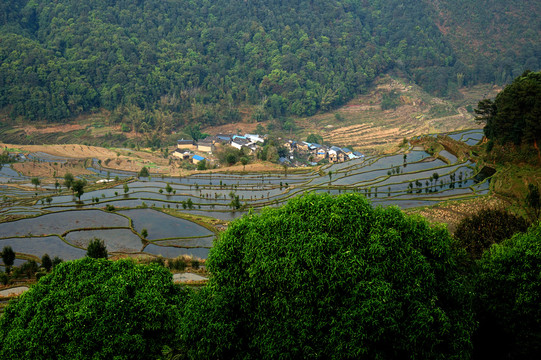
(49, 129)
(452, 212)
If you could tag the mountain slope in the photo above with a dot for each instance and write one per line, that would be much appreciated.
(198, 60)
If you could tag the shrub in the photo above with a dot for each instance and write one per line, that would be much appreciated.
(97, 249)
(478, 232)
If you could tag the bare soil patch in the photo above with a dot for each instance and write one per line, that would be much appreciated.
(49, 129)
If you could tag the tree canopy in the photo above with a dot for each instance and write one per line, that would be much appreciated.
(508, 297)
(146, 60)
(326, 277)
(93, 309)
(515, 114)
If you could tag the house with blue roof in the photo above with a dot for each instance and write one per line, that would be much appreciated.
(196, 159)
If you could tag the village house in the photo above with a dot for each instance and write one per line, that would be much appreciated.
(222, 139)
(205, 145)
(290, 145)
(303, 146)
(239, 141)
(320, 154)
(197, 159)
(186, 144)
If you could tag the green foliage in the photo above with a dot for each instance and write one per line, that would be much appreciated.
(515, 114)
(314, 138)
(143, 172)
(8, 257)
(202, 165)
(478, 232)
(78, 187)
(68, 180)
(46, 262)
(390, 100)
(326, 277)
(244, 161)
(193, 62)
(96, 249)
(533, 201)
(4, 278)
(126, 187)
(508, 297)
(93, 309)
(35, 181)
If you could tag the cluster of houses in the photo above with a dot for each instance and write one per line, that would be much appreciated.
(317, 152)
(252, 142)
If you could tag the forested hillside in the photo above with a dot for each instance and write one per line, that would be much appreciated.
(198, 60)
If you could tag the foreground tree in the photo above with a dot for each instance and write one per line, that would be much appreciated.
(326, 277)
(96, 249)
(509, 298)
(93, 309)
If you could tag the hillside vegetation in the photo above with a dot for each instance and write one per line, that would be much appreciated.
(161, 64)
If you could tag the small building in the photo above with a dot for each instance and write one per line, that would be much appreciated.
(177, 153)
(186, 144)
(347, 151)
(321, 154)
(205, 146)
(239, 142)
(223, 139)
(303, 146)
(197, 159)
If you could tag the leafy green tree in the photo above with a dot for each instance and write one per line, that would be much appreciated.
(144, 172)
(202, 165)
(78, 187)
(514, 116)
(314, 138)
(93, 308)
(35, 181)
(533, 201)
(46, 262)
(30, 268)
(96, 249)
(331, 277)
(57, 261)
(126, 188)
(68, 180)
(244, 160)
(168, 188)
(144, 233)
(508, 294)
(476, 233)
(8, 257)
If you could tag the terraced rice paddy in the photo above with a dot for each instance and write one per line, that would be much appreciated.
(64, 227)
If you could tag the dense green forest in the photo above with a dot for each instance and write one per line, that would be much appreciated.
(164, 63)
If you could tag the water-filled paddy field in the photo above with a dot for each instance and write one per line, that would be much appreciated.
(138, 224)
